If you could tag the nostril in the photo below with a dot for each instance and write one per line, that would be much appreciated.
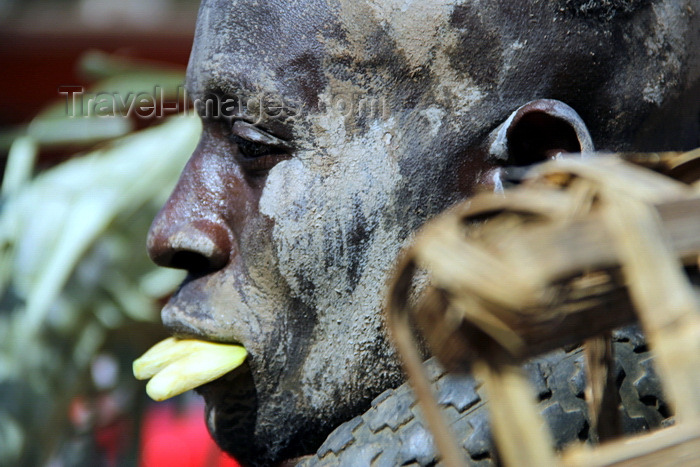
(190, 261)
(196, 246)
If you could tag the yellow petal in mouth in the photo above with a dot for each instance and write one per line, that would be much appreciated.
(178, 365)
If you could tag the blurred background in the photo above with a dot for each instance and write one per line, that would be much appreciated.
(83, 174)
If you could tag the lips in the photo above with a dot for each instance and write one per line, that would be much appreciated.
(178, 365)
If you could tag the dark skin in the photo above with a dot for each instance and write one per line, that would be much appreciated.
(289, 221)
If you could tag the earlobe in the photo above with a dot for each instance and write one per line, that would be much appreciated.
(538, 131)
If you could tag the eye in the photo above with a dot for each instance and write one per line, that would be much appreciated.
(257, 150)
(250, 149)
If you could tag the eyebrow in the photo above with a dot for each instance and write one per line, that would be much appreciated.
(227, 89)
(241, 88)
(210, 87)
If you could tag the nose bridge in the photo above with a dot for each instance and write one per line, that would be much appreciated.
(190, 232)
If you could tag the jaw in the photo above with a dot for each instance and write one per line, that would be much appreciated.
(265, 429)
(278, 406)
(258, 412)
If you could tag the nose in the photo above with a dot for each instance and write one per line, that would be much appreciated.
(185, 236)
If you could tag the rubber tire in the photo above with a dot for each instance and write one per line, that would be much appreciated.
(392, 432)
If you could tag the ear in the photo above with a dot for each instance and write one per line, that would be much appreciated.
(538, 131)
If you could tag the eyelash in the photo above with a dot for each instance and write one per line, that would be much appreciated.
(250, 149)
(257, 157)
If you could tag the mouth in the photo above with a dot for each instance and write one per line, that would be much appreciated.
(220, 374)
(176, 365)
(246, 412)
(197, 354)
(208, 358)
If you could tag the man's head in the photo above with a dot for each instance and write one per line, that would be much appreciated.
(334, 129)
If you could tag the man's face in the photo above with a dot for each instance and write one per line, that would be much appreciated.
(288, 250)
(346, 126)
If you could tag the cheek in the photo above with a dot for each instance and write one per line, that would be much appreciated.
(288, 200)
(327, 228)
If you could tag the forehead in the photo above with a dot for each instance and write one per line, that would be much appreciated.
(454, 54)
(259, 46)
(298, 47)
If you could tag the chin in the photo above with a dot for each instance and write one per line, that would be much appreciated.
(231, 407)
(253, 431)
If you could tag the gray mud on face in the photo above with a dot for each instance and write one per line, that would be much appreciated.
(320, 232)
